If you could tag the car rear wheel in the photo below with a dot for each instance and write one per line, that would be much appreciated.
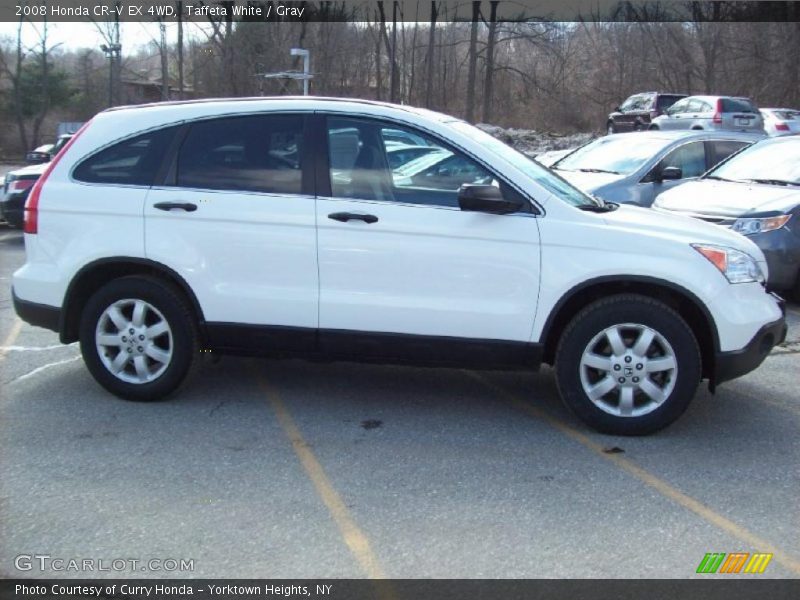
(653, 128)
(138, 338)
(628, 365)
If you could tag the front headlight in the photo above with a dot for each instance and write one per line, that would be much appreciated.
(751, 226)
(737, 266)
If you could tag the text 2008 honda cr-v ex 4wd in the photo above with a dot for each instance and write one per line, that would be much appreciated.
(277, 227)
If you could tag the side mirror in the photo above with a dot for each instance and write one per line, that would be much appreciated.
(617, 109)
(671, 173)
(486, 199)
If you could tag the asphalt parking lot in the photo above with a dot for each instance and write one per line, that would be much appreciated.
(290, 469)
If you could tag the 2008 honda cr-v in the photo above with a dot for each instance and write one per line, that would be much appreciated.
(277, 227)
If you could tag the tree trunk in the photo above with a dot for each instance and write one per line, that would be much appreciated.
(429, 72)
(162, 48)
(473, 62)
(395, 81)
(179, 6)
(488, 87)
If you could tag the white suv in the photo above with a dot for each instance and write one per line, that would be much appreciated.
(276, 227)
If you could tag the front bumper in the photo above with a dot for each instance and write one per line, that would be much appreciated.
(733, 364)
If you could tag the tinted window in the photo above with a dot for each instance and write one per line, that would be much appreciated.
(721, 149)
(737, 105)
(361, 165)
(132, 162)
(260, 153)
(665, 101)
(690, 158)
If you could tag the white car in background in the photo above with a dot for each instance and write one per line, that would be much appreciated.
(219, 225)
(781, 121)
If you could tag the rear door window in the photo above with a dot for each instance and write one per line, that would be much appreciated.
(134, 161)
(258, 153)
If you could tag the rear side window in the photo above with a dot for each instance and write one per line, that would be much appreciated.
(259, 153)
(134, 161)
(730, 105)
(665, 101)
(722, 149)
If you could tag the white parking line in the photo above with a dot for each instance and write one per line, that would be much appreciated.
(38, 370)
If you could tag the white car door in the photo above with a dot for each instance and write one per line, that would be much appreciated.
(235, 219)
(397, 256)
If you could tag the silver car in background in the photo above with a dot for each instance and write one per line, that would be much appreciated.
(630, 168)
(715, 113)
(781, 121)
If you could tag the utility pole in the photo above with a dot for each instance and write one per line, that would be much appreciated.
(306, 54)
(112, 53)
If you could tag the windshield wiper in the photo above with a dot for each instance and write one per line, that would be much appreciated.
(717, 178)
(587, 170)
(774, 181)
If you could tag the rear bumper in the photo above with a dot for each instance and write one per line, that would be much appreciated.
(12, 208)
(730, 365)
(40, 315)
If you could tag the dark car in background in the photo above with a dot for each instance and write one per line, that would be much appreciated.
(637, 111)
(18, 185)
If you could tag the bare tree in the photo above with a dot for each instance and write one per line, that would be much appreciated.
(473, 61)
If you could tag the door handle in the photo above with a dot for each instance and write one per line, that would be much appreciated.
(187, 206)
(346, 216)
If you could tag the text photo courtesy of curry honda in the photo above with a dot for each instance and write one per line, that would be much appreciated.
(487, 298)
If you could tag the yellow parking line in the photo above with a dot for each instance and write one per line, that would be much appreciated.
(10, 338)
(661, 486)
(355, 539)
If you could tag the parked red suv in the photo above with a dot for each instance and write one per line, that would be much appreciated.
(637, 111)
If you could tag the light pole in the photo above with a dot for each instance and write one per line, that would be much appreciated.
(112, 52)
(306, 54)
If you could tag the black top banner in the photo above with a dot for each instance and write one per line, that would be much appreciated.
(396, 11)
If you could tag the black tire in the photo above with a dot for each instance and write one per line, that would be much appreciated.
(182, 338)
(653, 128)
(627, 309)
(610, 128)
(639, 126)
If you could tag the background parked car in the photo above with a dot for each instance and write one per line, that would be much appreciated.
(781, 121)
(635, 169)
(719, 113)
(18, 185)
(637, 111)
(757, 193)
(40, 154)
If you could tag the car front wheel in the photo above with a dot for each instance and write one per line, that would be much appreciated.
(628, 365)
(138, 338)
(610, 129)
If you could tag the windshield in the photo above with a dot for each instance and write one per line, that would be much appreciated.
(776, 161)
(622, 154)
(540, 174)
